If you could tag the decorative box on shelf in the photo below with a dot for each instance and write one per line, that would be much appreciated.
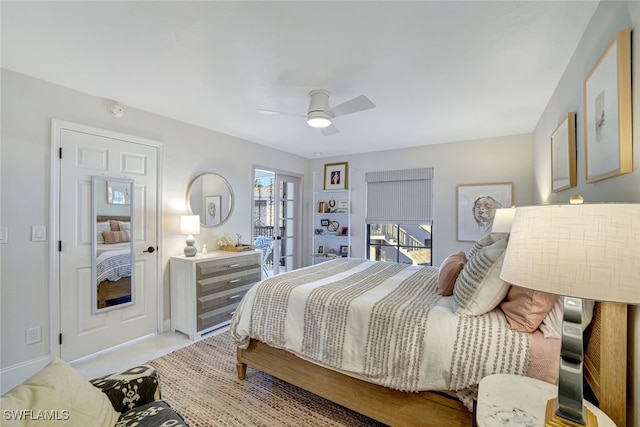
(237, 248)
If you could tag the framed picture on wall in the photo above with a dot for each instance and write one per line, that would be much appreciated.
(477, 204)
(607, 112)
(563, 155)
(212, 210)
(336, 176)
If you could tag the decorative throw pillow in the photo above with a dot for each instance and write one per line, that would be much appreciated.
(111, 237)
(115, 226)
(551, 325)
(479, 288)
(124, 225)
(525, 308)
(449, 271)
(61, 390)
(100, 228)
(485, 241)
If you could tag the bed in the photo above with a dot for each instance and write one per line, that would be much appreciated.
(113, 260)
(391, 383)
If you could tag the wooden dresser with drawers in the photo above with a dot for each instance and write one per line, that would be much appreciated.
(207, 288)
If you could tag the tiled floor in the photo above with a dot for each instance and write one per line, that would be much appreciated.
(135, 353)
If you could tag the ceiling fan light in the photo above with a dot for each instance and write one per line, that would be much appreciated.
(318, 119)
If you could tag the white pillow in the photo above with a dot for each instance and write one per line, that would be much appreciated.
(100, 227)
(59, 391)
(479, 288)
(551, 325)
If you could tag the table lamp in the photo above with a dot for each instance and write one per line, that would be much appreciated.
(578, 251)
(190, 225)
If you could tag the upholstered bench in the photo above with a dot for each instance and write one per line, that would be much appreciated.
(59, 394)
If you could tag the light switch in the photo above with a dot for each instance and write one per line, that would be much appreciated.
(38, 233)
(4, 235)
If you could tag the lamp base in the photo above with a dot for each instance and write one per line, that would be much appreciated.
(551, 419)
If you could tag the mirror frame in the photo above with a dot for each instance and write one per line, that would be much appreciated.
(231, 195)
(104, 180)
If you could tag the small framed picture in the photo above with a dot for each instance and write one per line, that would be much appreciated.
(344, 231)
(344, 250)
(324, 222)
(335, 176)
(319, 231)
(320, 249)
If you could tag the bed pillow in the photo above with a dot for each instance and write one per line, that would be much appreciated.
(479, 288)
(111, 237)
(551, 325)
(101, 227)
(525, 308)
(485, 241)
(115, 226)
(60, 387)
(449, 271)
(124, 225)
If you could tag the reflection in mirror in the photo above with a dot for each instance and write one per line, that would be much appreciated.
(210, 196)
(112, 243)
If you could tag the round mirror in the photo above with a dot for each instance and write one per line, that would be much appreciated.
(210, 196)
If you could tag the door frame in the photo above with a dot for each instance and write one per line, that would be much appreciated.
(54, 218)
(298, 253)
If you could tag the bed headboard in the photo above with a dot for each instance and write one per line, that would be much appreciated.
(605, 359)
(103, 218)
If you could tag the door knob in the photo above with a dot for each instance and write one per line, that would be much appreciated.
(278, 238)
(150, 249)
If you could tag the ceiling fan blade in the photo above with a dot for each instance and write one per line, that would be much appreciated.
(329, 130)
(359, 103)
(276, 113)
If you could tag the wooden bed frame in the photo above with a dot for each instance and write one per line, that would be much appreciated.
(605, 371)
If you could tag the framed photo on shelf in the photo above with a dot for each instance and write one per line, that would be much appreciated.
(319, 231)
(477, 204)
(344, 250)
(344, 231)
(607, 112)
(563, 155)
(336, 176)
(320, 249)
(324, 222)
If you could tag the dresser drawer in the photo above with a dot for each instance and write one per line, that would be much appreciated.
(216, 317)
(230, 280)
(223, 266)
(220, 299)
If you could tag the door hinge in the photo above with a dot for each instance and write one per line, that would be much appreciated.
(59, 245)
(60, 152)
(60, 338)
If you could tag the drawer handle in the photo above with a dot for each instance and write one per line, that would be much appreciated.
(233, 265)
(234, 281)
(234, 296)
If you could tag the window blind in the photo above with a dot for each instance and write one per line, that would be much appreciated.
(400, 197)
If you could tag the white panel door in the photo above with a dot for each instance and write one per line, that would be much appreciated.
(84, 154)
(286, 250)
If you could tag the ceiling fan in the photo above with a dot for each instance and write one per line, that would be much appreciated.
(319, 114)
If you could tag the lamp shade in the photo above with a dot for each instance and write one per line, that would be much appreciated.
(190, 224)
(502, 220)
(586, 251)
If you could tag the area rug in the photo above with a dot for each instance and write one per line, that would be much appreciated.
(200, 383)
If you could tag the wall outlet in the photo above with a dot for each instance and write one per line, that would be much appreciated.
(34, 335)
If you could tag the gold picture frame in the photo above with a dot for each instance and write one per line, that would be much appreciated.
(563, 155)
(607, 112)
(336, 176)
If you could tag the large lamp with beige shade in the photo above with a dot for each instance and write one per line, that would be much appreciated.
(578, 251)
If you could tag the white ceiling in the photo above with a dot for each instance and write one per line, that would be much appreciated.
(438, 71)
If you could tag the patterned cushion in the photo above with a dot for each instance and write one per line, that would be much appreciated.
(525, 308)
(131, 388)
(449, 271)
(111, 237)
(485, 241)
(152, 414)
(479, 288)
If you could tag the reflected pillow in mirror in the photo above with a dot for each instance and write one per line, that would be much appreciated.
(111, 237)
(100, 228)
(124, 225)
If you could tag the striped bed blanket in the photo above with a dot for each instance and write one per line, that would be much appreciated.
(381, 322)
(113, 264)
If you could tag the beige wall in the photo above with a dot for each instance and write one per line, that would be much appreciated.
(609, 18)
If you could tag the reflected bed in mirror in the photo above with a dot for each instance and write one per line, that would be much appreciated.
(210, 196)
(112, 244)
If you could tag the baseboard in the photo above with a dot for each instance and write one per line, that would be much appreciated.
(16, 374)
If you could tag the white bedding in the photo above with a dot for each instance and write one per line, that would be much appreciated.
(113, 261)
(382, 322)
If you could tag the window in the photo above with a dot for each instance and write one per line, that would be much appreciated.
(399, 216)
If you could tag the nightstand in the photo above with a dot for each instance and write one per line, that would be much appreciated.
(517, 401)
